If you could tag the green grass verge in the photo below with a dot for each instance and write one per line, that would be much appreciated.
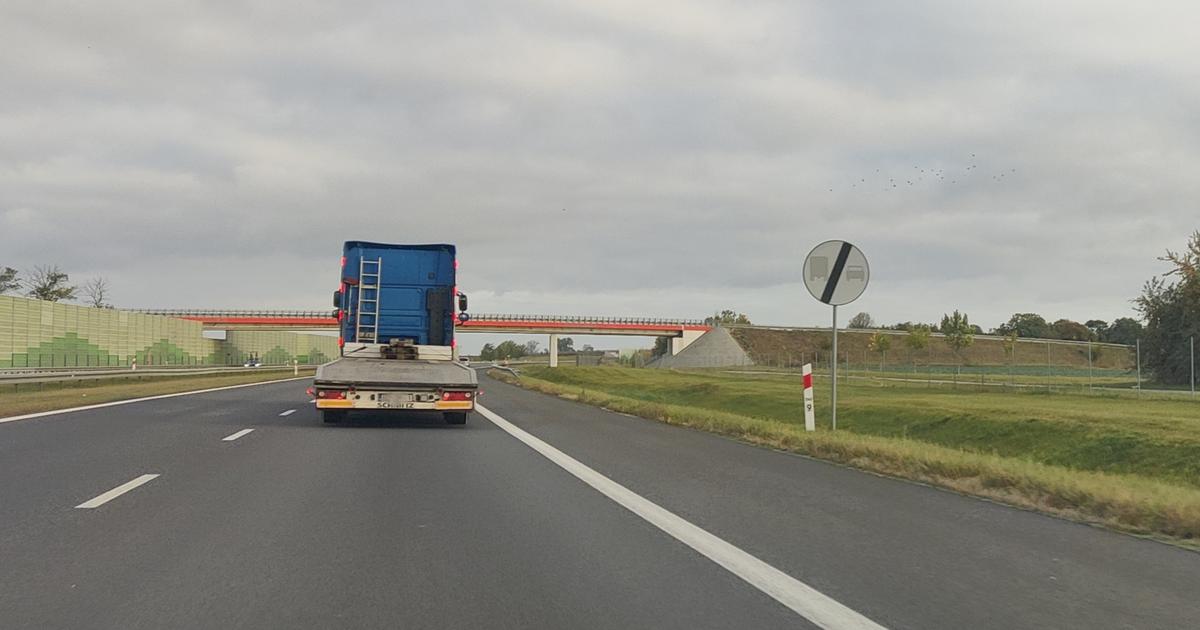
(31, 399)
(1118, 463)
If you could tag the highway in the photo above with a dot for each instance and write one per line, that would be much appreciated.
(240, 509)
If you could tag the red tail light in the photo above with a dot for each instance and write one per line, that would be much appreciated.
(459, 396)
(331, 394)
(343, 262)
(341, 342)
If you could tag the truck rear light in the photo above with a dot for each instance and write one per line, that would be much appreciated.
(459, 396)
(343, 262)
(341, 341)
(331, 394)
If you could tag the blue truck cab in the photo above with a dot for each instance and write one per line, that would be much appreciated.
(398, 292)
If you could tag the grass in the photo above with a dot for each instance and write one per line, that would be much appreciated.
(1130, 465)
(16, 401)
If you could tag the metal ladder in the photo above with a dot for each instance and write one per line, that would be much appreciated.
(368, 279)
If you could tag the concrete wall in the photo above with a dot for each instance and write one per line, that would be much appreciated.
(34, 333)
(715, 348)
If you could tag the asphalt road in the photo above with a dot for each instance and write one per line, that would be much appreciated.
(421, 525)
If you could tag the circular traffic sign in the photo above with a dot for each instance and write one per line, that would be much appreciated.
(836, 272)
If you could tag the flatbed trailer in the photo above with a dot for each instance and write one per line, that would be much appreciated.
(396, 308)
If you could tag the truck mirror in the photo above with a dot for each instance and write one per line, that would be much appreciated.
(462, 301)
(337, 299)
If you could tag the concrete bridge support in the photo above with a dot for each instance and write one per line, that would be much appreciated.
(679, 343)
(553, 351)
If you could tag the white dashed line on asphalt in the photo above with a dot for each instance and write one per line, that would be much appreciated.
(115, 492)
(230, 438)
(288, 412)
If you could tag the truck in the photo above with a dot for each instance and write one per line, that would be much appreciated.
(396, 316)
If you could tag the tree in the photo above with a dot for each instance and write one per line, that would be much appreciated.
(1010, 345)
(509, 349)
(880, 342)
(587, 347)
(958, 332)
(566, 344)
(1071, 331)
(727, 317)
(1170, 304)
(1097, 326)
(9, 280)
(917, 339)
(1010, 350)
(662, 345)
(1123, 330)
(1025, 325)
(487, 353)
(96, 292)
(531, 347)
(49, 283)
(862, 320)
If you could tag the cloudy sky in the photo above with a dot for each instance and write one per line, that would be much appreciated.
(622, 158)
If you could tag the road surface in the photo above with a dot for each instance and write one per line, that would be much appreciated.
(239, 509)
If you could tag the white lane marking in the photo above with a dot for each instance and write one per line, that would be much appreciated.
(313, 400)
(42, 414)
(115, 492)
(806, 601)
(288, 412)
(230, 438)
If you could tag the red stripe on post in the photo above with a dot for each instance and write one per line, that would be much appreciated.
(808, 381)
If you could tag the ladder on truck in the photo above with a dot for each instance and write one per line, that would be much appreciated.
(369, 272)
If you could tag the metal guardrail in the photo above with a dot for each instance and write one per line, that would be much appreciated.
(487, 317)
(60, 376)
(200, 312)
(584, 319)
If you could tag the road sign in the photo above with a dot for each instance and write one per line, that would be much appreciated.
(836, 272)
(810, 422)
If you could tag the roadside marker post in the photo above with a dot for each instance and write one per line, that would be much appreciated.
(836, 285)
(810, 422)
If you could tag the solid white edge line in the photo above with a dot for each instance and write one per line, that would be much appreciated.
(114, 403)
(230, 438)
(806, 601)
(288, 412)
(115, 492)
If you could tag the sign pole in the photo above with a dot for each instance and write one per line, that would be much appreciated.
(833, 368)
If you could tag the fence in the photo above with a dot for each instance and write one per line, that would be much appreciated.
(1024, 370)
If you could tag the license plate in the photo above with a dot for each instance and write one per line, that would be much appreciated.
(396, 399)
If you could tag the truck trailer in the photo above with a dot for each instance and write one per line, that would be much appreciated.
(396, 310)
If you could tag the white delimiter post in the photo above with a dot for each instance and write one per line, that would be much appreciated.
(553, 351)
(810, 422)
(833, 372)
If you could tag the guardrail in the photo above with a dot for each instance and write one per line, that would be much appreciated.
(63, 376)
(202, 312)
(584, 319)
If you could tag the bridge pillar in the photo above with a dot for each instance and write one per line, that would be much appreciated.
(553, 351)
(679, 343)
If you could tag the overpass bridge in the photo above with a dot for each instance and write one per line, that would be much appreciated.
(681, 332)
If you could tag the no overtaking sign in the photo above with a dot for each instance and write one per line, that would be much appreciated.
(836, 272)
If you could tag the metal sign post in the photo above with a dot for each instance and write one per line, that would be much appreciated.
(836, 273)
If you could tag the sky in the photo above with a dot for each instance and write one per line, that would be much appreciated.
(618, 158)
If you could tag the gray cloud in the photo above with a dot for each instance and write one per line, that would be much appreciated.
(623, 157)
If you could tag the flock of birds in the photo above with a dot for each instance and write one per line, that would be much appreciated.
(921, 175)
